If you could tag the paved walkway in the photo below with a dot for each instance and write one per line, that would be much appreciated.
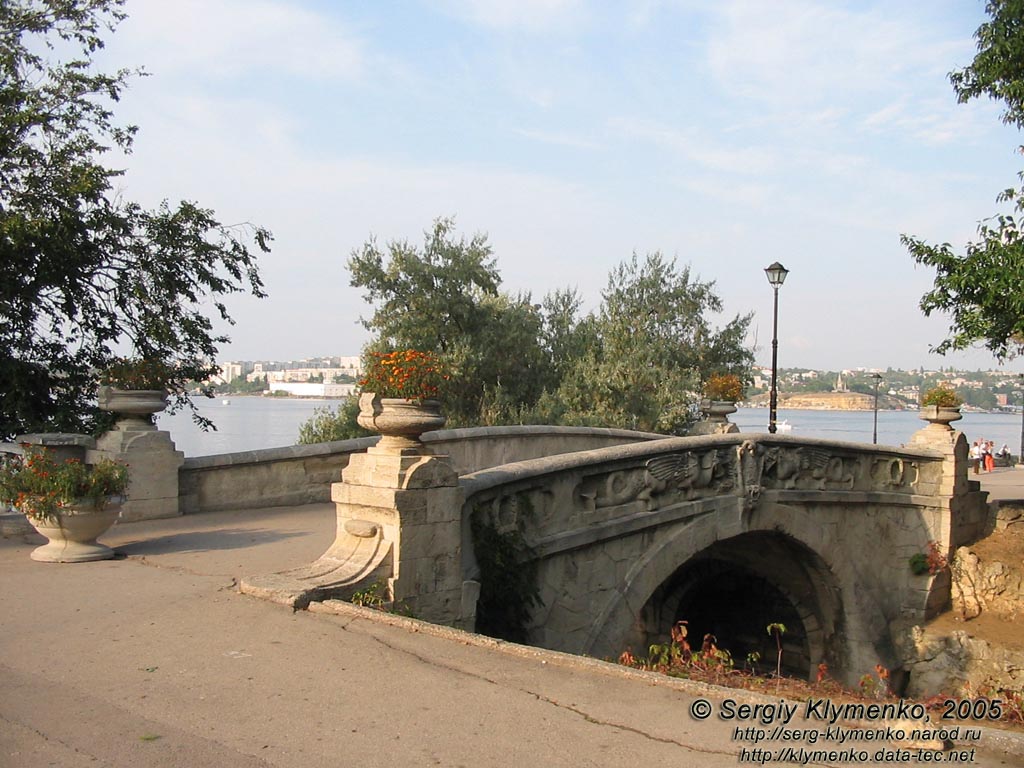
(1002, 483)
(155, 659)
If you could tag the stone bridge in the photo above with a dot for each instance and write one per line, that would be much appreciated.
(727, 532)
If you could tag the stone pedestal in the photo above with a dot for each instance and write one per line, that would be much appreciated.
(153, 465)
(952, 444)
(962, 511)
(399, 526)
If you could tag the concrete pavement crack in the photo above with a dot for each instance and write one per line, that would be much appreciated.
(32, 729)
(547, 700)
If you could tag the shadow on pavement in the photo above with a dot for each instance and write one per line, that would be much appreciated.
(199, 541)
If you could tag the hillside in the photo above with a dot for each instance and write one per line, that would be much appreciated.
(824, 401)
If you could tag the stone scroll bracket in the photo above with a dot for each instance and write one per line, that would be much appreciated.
(399, 527)
(358, 558)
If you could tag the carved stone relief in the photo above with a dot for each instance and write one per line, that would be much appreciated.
(611, 489)
(812, 468)
(694, 473)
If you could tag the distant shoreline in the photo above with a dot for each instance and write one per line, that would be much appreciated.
(786, 407)
(230, 395)
(783, 405)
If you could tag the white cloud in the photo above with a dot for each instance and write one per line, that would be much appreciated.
(932, 121)
(810, 62)
(229, 38)
(692, 145)
(800, 50)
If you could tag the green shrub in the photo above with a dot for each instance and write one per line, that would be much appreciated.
(326, 425)
(919, 564)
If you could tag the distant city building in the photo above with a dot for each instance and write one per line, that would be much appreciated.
(331, 369)
(230, 371)
(312, 389)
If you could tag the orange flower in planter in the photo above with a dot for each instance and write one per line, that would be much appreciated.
(39, 486)
(723, 386)
(408, 374)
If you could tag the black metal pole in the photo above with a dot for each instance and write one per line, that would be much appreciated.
(774, 400)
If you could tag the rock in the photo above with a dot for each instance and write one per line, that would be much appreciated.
(992, 587)
(957, 664)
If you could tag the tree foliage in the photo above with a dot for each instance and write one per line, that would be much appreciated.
(86, 272)
(981, 288)
(998, 68)
(444, 298)
(651, 348)
(637, 362)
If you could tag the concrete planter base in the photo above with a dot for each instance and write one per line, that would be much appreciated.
(72, 534)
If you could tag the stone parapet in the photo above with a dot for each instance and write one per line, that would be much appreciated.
(303, 474)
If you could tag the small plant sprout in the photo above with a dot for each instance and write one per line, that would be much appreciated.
(883, 681)
(777, 630)
(371, 597)
(752, 658)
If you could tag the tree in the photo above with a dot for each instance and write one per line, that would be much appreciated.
(638, 362)
(86, 272)
(981, 289)
(444, 298)
(653, 346)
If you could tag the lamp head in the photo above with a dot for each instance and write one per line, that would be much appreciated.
(776, 274)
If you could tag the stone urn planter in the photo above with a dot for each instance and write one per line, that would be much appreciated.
(399, 421)
(715, 419)
(135, 405)
(72, 532)
(69, 502)
(717, 410)
(940, 416)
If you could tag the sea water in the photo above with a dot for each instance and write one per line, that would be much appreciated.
(250, 423)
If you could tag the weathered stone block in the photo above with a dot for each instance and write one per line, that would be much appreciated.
(153, 465)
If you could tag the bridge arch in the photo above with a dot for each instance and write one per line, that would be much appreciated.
(695, 568)
(734, 588)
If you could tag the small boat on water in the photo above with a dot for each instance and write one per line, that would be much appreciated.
(783, 426)
(225, 401)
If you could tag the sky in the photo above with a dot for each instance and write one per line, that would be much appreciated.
(727, 134)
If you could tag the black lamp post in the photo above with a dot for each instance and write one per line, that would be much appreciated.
(776, 277)
(878, 379)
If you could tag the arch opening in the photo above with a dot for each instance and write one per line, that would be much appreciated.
(736, 587)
